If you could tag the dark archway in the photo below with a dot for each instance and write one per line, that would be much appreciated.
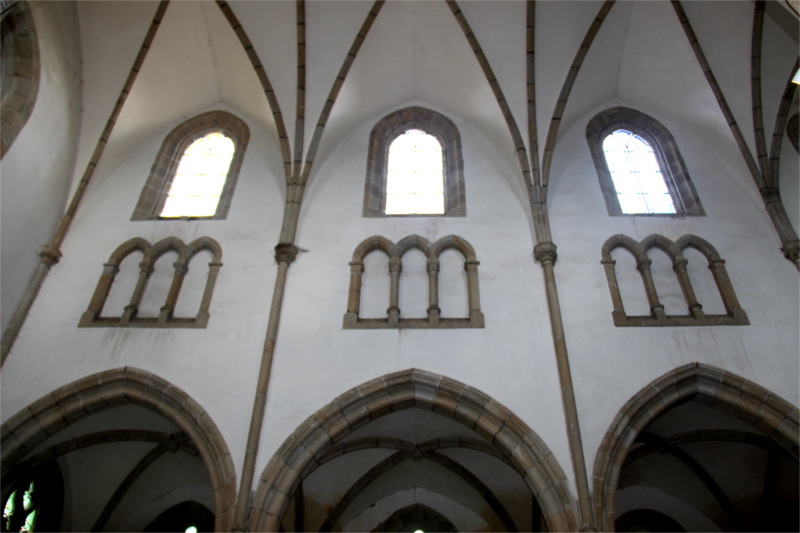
(299, 456)
(704, 443)
(416, 517)
(76, 401)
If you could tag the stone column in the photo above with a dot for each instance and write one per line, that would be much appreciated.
(725, 287)
(545, 254)
(434, 311)
(695, 309)
(616, 298)
(643, 265)
(473, 294)
(110, 270)
(395, 268)
(202, 314)
(145, 270)
(285, 254)
(181, 268)
(354, 294)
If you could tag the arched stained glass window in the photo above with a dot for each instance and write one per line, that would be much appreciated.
(198, 182)
(636, 174)
(415, 177)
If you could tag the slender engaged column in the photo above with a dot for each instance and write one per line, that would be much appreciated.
(545, 254)
(395, 268)
(434, 311)
(110, 270)
(181, 268)
(145, 270)
(650, 288)
(695, 309)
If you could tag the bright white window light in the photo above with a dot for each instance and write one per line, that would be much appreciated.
(414, 177)
(200, 177)
(636, 174)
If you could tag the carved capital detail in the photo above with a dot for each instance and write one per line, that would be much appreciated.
(770, 195)
(545, 251)
(49, 254)
(791, 250)
(285, 252)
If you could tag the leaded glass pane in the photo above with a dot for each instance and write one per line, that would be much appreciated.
(636, 175)
(414, 177)
(200, 178)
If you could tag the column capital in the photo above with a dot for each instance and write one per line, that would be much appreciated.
(545, 252)
(49, 254)
(285, 252)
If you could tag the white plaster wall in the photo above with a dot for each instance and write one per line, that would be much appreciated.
(216, 366)
(610, 364)
(38, 166)
(789, 182)
(511, 359)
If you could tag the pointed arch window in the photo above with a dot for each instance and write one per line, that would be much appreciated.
(415, 166)
(195, 172)
(640, 169)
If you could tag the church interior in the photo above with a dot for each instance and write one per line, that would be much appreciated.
(436, 265)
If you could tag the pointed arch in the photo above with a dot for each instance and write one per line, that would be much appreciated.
(24, 431)
(296, 458)
(751, 403)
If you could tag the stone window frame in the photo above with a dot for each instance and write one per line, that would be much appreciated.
(386, 131)
(395, 253)
(92, 316)
(673, 169)
(20, 98)
(155, 191)
(735, 315)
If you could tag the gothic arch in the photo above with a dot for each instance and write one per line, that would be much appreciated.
(718, 388)
(297, 457)
(33, 425)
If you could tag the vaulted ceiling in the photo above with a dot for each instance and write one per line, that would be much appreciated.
(418, 52)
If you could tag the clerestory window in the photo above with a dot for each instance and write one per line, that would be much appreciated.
(200, 177)
(195, 172)
(640, 169)
(414, 178)
(636, 175)
(415, 166)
